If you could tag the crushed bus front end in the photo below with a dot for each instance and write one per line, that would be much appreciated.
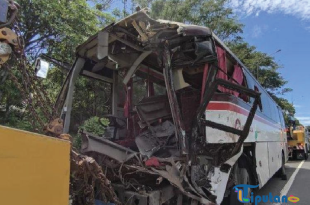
(155, 150)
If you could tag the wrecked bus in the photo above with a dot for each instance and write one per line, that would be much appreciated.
(199, 125)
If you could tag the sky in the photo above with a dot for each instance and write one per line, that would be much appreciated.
(271, 25)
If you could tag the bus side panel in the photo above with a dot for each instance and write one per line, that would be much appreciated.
(267, 131)
(234, 116)
(222, 117)
(262, 162)
(261, 129)
(275, 157)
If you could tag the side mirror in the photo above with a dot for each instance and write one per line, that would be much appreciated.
(41, 68)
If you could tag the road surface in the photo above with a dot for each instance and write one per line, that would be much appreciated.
(297, 183)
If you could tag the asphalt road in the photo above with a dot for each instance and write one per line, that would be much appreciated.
(297, 183)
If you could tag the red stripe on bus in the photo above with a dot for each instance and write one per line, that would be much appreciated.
(232, 107)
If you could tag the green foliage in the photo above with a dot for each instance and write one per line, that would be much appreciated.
(211, 13)
(265, 69)
(91, 125)
(297, 122)
(262, 65)
(55, 28)
(91, 98)
(286, 106)
(17, 120)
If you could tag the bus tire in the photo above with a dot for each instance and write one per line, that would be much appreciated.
(282, 171)
(242, 176)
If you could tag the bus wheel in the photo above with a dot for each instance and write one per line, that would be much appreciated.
(241, 176)
(282, 172)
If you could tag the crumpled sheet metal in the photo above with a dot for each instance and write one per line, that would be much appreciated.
(219, 179)
(172, 169)
(175, 176)
(155, 138)
(105, 147)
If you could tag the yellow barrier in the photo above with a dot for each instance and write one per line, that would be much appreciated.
(34, 169)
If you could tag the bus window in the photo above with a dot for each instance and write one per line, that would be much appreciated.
(139, 89)
(159, 90)
(92, 98)
(275, 114)
(121, 93)
(260, 107)
(243, 96)
(250, 84)
(267, 110)
(280, 113)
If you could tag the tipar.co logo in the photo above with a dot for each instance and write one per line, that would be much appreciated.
(242, 194)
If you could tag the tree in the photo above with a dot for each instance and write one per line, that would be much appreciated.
(262, 66)
(265, 69)
(211, 13)
(286, 106)
(93, 125)
(55, 28)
